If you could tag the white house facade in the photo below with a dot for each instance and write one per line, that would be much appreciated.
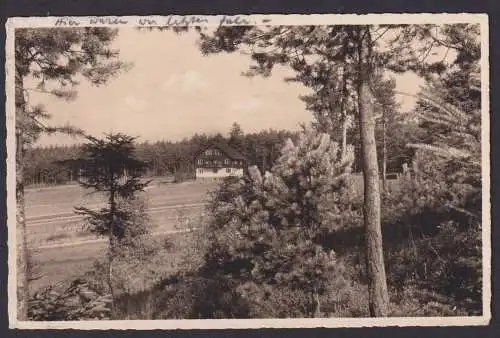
(219, 161)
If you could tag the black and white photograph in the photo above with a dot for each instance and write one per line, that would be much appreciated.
(248, 171)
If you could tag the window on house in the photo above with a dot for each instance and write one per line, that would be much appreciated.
(226, 161)
(200, 161)
(228, 170)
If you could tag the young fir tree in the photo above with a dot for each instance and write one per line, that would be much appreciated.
(110, 167)
(265, 227)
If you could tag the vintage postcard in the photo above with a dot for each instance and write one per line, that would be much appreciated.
(249, 171)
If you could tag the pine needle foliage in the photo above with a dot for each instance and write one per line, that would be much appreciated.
(264, 226)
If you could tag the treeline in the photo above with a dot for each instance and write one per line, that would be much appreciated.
(59, 164)
(55, 165)
(43, 165)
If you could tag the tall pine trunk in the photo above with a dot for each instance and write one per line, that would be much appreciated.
(344, 137)
(316, 300)
(343, 110)
(23, 272)
(377, 284)
(384, 153)
(111, 249)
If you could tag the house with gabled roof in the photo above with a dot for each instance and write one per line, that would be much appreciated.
(219, 160)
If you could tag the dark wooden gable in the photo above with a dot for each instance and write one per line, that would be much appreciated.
(219, 155)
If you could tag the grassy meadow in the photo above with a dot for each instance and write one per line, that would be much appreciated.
(62, 249)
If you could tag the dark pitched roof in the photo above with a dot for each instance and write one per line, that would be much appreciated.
(226, 149)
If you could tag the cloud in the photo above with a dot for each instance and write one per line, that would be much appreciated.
(247, 105)
(135, 103)
(188, 82)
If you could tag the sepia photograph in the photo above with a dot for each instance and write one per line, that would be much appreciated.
(248, 171)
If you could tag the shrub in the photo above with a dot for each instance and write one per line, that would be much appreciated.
(414, 301)
(78, 301)
(433, 236)
(164, 282)
(263, 229)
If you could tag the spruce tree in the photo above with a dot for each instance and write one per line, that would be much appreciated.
(110, 167)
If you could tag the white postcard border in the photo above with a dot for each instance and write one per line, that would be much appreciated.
(275, 19)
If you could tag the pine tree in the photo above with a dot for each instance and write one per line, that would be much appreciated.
(449, 108)
(300, 47)
(458, 149)
(268, 223)
(386, 118)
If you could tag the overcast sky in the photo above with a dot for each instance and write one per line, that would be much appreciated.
(173, 91)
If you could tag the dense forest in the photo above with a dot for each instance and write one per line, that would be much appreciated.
(59, 164)
(53, 165)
